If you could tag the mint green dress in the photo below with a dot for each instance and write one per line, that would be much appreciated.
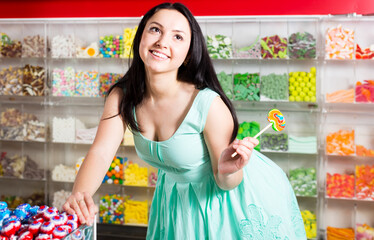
(187, 202)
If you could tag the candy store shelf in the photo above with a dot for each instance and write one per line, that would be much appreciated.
(286, 152)
(284, 106)
(14, 99)
(21, 141)
(367, 108)
(349, 199)
(75, 101)
(312, 197)
(42, 180)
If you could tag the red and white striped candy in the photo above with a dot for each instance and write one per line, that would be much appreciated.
(47, 227)
(27, 235)
(59, 232)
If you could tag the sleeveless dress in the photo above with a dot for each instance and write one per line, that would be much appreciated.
(188, 204)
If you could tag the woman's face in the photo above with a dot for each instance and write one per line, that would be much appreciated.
(165, 41)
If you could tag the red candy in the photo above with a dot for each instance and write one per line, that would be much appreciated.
(72, 224)
(73, 217)
(49, 214)
(9, 229)
(47, 227)
(364, 53)
(340, 185)
(67, 228)
(27, 235)
(59, 232)
(35, 226)
(43, 236)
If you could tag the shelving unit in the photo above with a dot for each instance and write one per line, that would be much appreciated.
(304, 119)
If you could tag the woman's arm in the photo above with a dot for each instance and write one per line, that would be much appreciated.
(217, 133)
(97, 161)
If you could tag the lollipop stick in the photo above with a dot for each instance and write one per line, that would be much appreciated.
(263, 130)
(257, 135)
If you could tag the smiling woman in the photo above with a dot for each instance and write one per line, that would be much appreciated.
(164, 41)
(184, 125)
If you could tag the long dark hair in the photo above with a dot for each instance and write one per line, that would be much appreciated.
(198, 70)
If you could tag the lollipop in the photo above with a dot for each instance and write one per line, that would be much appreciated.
(277, 121)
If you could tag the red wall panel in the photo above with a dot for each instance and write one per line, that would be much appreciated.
(136, 8)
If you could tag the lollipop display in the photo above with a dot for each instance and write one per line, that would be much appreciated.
(277, 121)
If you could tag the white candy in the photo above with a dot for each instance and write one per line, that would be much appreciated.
(63, 173)
(59, 198)
(63, 129)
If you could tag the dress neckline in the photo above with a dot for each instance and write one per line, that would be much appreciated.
(179, 127)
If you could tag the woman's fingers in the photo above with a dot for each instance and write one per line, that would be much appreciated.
(83, 206)
(91, 208)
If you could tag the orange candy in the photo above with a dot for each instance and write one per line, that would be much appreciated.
(340, 143)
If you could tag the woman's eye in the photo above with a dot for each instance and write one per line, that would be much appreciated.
(154, 29)
(178, 37)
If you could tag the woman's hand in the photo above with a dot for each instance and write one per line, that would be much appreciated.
(227, 164)
(83, 206)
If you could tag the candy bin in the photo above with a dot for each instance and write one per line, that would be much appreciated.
(365, 182)
(304, 181)
(111, 46)
(341, 143)
(63, 82)
(106, 80)
(219, 46)
(246, 39)
(274, 142)
(135, 175)
(340, 185)
(366, 53)
(112, 209)
(302, 86)
(12, 122)
(364, 92)
(249, 129)
(310, 223)
(247, 86)
(87, 83)
(33, 80)
(136, 212)
(339, 43)
(41, 222)
(114, 174)
(63, 46)
(10, 47)
(226, 83)
(302, 45)
(128, 38)
(340, 233)
(274, 87)
(11, 80)
(274, 47)
(34, 41)
(364, 232)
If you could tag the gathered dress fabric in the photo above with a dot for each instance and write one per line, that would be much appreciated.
(187, 202)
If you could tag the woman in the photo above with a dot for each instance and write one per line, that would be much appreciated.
(184, 125)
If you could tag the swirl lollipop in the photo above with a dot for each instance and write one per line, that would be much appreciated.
(277, 121)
